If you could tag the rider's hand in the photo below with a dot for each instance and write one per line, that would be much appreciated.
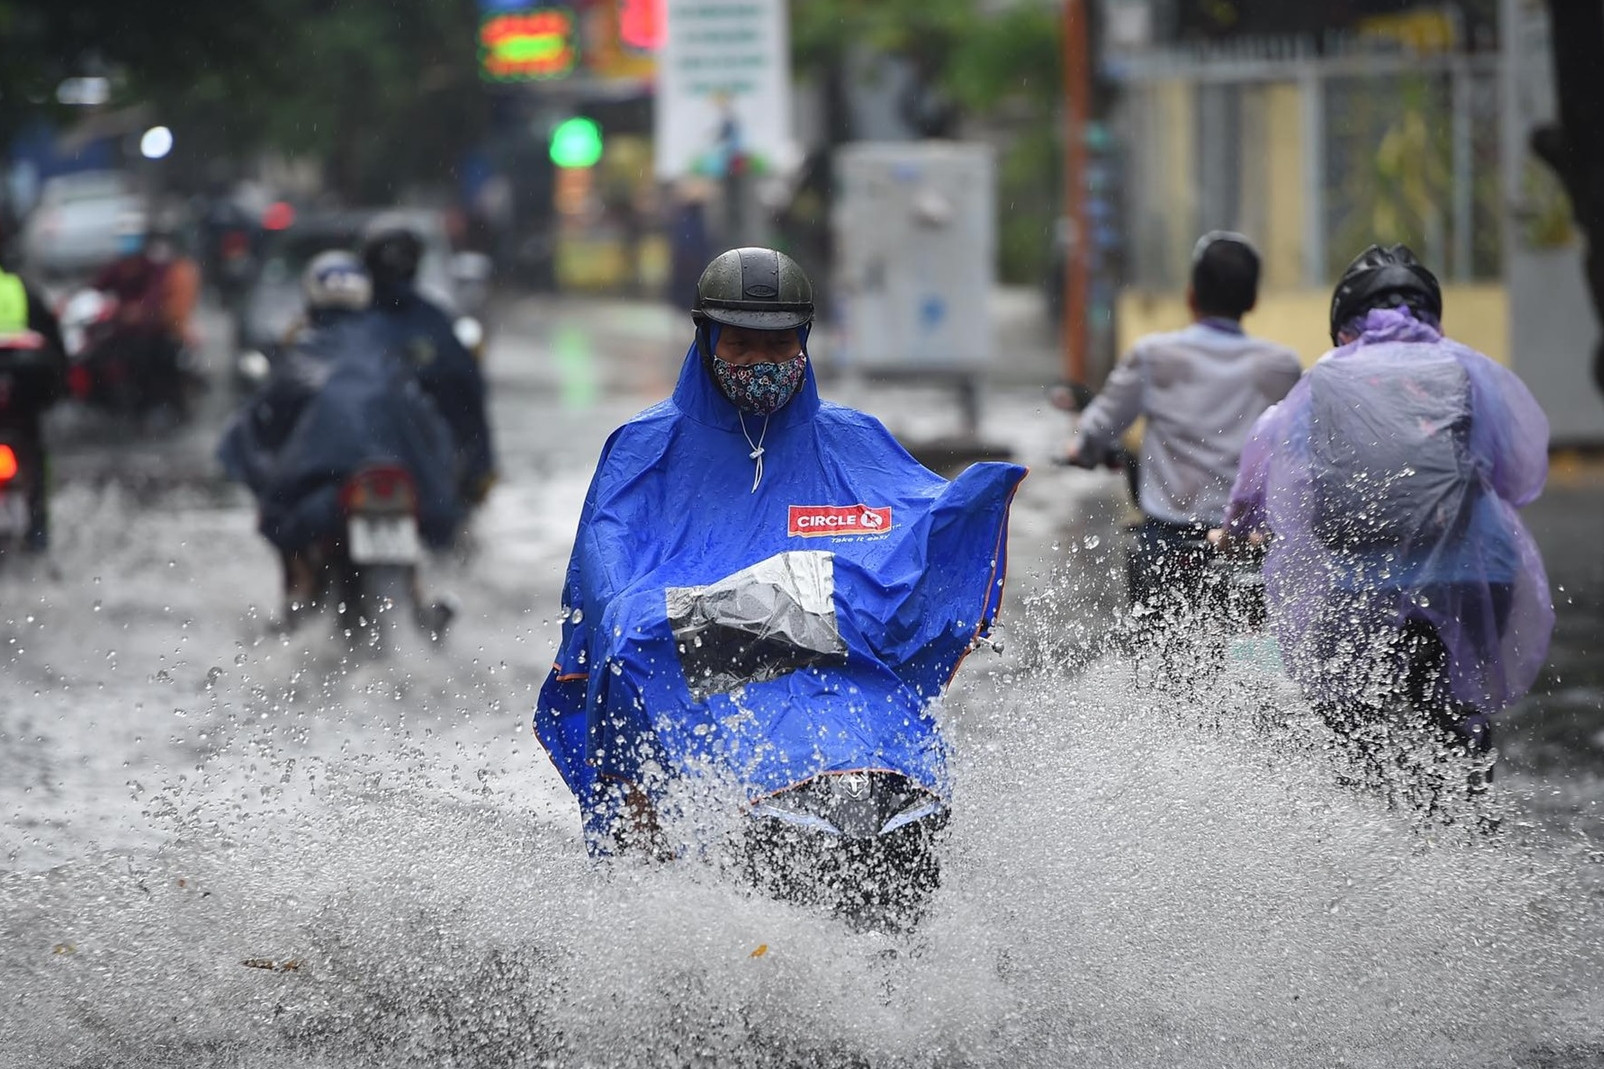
(1224, 541)
(481, 488)
(1077, 456)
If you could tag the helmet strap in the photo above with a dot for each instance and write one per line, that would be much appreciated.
(706, 340)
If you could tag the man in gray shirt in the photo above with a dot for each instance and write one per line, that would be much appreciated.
(1200, 390)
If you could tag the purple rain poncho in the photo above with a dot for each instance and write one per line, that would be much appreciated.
(1389, 479)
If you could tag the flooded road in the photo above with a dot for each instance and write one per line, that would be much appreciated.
(220, 847)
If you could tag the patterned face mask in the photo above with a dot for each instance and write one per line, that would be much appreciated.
(760, 388)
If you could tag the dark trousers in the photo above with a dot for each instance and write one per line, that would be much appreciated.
(1166, 571)
(1401, 725)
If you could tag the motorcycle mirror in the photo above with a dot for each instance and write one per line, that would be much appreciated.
(470, 332)
(254, 367)
(84, 306)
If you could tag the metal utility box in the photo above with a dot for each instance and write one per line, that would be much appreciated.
(915, 239)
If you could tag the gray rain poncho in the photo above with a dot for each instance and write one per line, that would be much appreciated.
(1389, 479)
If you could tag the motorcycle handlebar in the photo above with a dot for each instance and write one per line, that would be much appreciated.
(1091, 459)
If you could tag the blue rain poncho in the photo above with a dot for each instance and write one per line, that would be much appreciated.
(771, 633)
(1389, 479)
(423, 334)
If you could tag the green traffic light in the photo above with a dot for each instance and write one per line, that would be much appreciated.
(576, 142)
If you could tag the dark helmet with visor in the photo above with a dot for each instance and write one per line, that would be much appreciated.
(1388, 277)
(392, 248)
(757, 288)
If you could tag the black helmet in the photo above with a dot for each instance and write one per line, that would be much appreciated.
(757, 288)
(1384, 278)
(391, 249)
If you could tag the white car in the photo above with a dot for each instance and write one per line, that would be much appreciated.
(79, 221)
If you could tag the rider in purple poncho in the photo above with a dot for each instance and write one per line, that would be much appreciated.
(1389, 479)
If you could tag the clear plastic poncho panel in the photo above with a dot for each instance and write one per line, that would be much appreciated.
(1389, 479)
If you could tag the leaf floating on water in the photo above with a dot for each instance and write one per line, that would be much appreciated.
(287, 965)
(65, 948)
(762, 948)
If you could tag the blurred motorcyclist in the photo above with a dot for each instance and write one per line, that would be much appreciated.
(423, 331)
(33, 376)
(1389, 479)
(230, 239)
(338, 399)
(156, 288)
(1200, 390)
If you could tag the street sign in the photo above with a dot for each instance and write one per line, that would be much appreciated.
(723, 89)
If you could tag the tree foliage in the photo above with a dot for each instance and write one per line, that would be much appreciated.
(980, 67)
(386, 92)
(976, 54)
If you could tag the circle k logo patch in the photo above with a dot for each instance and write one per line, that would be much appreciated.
(810, 521)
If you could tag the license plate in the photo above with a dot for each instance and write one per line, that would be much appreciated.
(383, 540)
(13, 514)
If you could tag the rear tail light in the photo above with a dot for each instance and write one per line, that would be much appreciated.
(383, 488)
(280, 215)
(8, 463)
(79, 381)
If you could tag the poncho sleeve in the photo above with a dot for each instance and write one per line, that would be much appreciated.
(1508, 430)
(1246, 511)
(560, 710)
(1117, 404)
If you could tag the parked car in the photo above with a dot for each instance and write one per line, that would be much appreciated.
(79, 221)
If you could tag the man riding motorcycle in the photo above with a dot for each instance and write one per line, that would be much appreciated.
(423, 333)
(156, 289)
(1389, 480)
(33, 376)
(338, 399)
(765, 590)
(1199, 390)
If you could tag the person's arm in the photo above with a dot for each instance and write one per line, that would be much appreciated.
(1283, 373)
(43, 321)
(1115, 407)
(1245, 511)
(52, 369)
(180, 290)
(1508, 430)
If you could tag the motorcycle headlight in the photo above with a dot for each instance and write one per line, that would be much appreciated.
(917, 809)
(779, 807)
(470, 333)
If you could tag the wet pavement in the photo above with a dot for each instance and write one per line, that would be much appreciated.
(222, 848)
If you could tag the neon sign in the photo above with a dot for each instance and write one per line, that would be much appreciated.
(527, 45)
(640, 24)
